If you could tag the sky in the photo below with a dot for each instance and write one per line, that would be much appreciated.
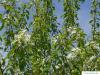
(83, 15)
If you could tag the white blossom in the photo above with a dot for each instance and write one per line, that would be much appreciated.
(71, 55)
(91, 58)
(73, 30)
(23, 35)
(74, 52)
(70, 29)
(27, 37)
(57, 66)
(96, 46)
(76, 49)
(93, 44)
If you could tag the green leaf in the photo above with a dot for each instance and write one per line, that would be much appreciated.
(0, 16)
(1, 27)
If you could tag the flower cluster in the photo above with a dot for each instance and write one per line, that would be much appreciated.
(71, 55)
(23, 35)
(92, 44)
(92, 58)
(74, 52)
(73, 30)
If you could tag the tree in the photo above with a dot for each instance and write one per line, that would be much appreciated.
(35, 45)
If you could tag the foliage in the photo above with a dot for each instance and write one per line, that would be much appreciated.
(35, 45)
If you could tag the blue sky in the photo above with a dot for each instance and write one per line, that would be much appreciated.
(84, 16)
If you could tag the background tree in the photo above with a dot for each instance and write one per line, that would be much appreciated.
(35, 45)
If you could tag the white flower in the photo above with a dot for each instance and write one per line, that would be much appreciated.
(23, 35)
(93, 44)
(57, 66)
(74, 52)
(73, 32)
(96, 46)
(27, 37)
(76, 49)
(91, 58)
(71, 55)
(70, 29)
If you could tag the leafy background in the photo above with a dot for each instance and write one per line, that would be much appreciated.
(49, 37)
